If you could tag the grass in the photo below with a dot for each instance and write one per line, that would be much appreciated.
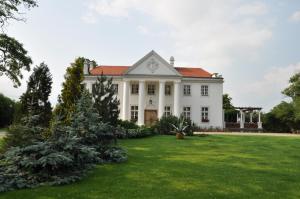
(197, 167)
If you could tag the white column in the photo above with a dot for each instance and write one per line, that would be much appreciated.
(259, 123)
(242, 119)
(141, 102)
(176, 98)
(251, 116)
(161, 98)
(125, 106)
(237, 117)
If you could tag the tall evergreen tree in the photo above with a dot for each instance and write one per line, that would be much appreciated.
(71, 90)
(35, 101)
(106, 101)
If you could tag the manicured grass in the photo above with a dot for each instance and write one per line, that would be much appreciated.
(197, 167)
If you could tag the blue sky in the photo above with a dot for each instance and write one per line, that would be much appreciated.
(255, 45)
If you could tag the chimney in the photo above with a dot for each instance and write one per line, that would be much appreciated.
(91, 66)
(86, 67)
(172, 60)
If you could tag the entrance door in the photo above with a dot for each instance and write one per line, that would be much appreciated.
(150, 117)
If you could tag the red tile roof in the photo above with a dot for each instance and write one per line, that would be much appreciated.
(109, 70)
(120, 70)
(193, 72)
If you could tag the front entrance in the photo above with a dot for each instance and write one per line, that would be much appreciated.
(150, 117)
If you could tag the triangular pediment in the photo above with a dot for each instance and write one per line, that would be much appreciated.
(152, 64)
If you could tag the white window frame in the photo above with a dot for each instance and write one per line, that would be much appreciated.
(187, 113)
(169, 93)
(167, 111)
(187, 90)
(134, 89)
(151, 89)
(204, 90)
(134, 111)
(205, 114)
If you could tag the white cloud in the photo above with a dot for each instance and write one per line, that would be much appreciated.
(267, 91)
(295, 16)
(207, 32)
(143, 29)
(275, 80)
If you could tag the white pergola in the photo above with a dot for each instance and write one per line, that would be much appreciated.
(241, 115)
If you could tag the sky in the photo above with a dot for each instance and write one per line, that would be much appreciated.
(255, 45)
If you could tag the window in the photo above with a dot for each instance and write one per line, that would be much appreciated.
(167, 89)
(134, 89)
(151, 89)
(187, 89)
(204, 90)
(187, 112)
(167, 111)
(134, 113)
(204, 114)
(115, 87)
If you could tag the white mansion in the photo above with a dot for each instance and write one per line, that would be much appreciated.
(153, 87)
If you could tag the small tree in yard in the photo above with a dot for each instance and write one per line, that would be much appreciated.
(36, 110)
(66, 155)
(85, 123)
(106, 102)
(35, 101)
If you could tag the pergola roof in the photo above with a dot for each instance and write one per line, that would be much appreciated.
(248, 108)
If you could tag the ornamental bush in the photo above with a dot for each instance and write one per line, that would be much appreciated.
(165, 125)
(66, 155)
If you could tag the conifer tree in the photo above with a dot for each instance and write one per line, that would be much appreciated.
(106, 102)
(71, 90)
(35, 101)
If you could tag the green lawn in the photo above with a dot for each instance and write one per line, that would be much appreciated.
(197, 167)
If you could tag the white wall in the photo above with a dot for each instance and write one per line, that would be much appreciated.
(214, 100)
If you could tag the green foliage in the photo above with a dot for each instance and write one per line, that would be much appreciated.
(71, 91)
(140, 132)
(164, 125)
(21, 135)
(86, 123)
(114, 154)
(227, 104)
(282, 118)
(56, 161)
(6, 111)
(106, 102)
(13, 58)
(35, 101)
(293, 90)
(180, 127)
(127, 124)
(65, 156)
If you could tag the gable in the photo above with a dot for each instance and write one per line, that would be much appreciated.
(152, 64)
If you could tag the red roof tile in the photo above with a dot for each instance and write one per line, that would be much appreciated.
(193, 72)
(120, 70)
(109, 70)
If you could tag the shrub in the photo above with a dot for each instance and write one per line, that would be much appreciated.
(127, 124)
(56, 161)
(164, 125)
(114, 154)
(20, 135)
(141, 132)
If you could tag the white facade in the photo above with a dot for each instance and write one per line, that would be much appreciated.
(153, 74)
